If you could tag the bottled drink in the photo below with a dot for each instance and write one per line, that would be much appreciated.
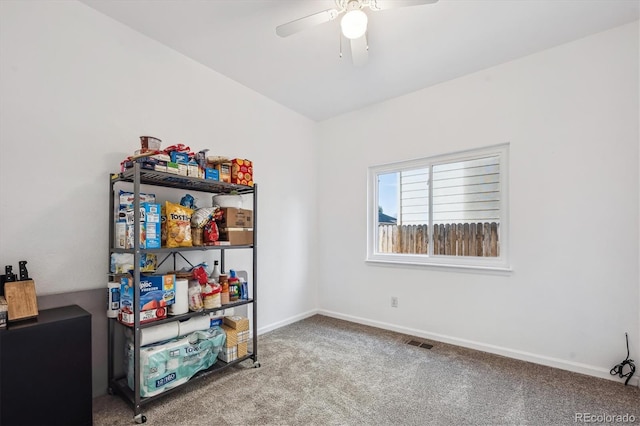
(215, 274)
(234, 286)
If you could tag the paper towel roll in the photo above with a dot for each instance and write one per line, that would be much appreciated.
(181, 305)
(194, 324)
(159, 333)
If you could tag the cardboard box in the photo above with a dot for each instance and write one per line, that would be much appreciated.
(172, 167)
(152, 219)
(120, 235)
(212, 174)
(243, 349)
(237, 322)
(193, 170)
(235, 218)
(232, 336)
(243, 336)
(237, 236)
(228, 354)
(225, 172)
(126, 315)
(156, 291)
(179, 157)
(149, 227)
(126, 198)
(241, 172)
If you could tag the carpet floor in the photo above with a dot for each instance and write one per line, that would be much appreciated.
(325, 371)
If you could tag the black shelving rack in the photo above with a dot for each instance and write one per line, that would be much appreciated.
(136, 176)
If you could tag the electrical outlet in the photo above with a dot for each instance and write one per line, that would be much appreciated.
(394, 302)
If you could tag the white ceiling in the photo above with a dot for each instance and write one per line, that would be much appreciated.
(409, 48)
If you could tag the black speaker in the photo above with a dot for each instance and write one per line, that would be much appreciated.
(45, 369)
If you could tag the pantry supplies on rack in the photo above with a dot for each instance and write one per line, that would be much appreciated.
(113, 299)
(169, 364)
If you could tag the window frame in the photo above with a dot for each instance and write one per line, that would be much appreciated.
(500, 263)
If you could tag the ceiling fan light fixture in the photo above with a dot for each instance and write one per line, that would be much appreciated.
(354, 24)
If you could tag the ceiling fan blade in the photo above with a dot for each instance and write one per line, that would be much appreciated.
(359, 51)
(298, 25)
(393, 4)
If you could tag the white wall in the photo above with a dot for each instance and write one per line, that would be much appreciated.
(571, 116)
(77, 90)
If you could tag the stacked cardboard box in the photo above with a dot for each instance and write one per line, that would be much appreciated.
(236, 226)
(236, 345)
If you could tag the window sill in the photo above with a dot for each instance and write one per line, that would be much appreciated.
(497, 270)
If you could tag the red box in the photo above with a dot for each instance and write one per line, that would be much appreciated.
(242, 172)
(125, 316)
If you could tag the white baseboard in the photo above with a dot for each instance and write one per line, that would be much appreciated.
(498, 350)
(287, 321)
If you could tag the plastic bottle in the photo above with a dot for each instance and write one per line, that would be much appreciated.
(215, 274)
(234, 286)
(224, 294)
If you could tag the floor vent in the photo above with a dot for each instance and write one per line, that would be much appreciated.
(419, 344)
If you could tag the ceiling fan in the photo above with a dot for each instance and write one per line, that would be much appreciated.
(353, 24)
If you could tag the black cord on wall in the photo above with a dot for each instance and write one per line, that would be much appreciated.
(618, 369)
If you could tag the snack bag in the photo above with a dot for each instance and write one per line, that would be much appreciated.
(163, 226)
(178, 225)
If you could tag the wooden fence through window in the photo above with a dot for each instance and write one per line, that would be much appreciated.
(451, 239)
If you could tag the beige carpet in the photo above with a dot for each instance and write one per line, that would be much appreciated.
(324, 371)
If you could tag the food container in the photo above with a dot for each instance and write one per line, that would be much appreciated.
(227, 200)
(149, 143)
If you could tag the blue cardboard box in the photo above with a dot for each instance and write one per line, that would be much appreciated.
(212, 174)
(152, 222)
(156, 291)
(179, 157)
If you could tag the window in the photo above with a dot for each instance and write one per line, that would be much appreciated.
(449, 210)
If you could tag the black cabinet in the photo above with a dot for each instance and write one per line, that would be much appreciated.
(45, 369)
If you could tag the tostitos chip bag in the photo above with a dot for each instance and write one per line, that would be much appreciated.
(178, 225)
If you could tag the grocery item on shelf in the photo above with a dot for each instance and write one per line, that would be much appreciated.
(242, 171)
(169, 364)
(196, 306)
(149, 143)
(178, 225)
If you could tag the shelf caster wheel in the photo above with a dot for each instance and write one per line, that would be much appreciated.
(256, 364)
(110, 390)
(140, 418)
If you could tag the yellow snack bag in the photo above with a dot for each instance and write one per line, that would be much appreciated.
(178, 225)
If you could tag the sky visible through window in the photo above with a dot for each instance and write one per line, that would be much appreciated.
(388, 193)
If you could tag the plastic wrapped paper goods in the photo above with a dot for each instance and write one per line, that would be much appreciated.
(168, 364)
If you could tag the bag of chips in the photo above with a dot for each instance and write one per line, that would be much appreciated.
(178, 225)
